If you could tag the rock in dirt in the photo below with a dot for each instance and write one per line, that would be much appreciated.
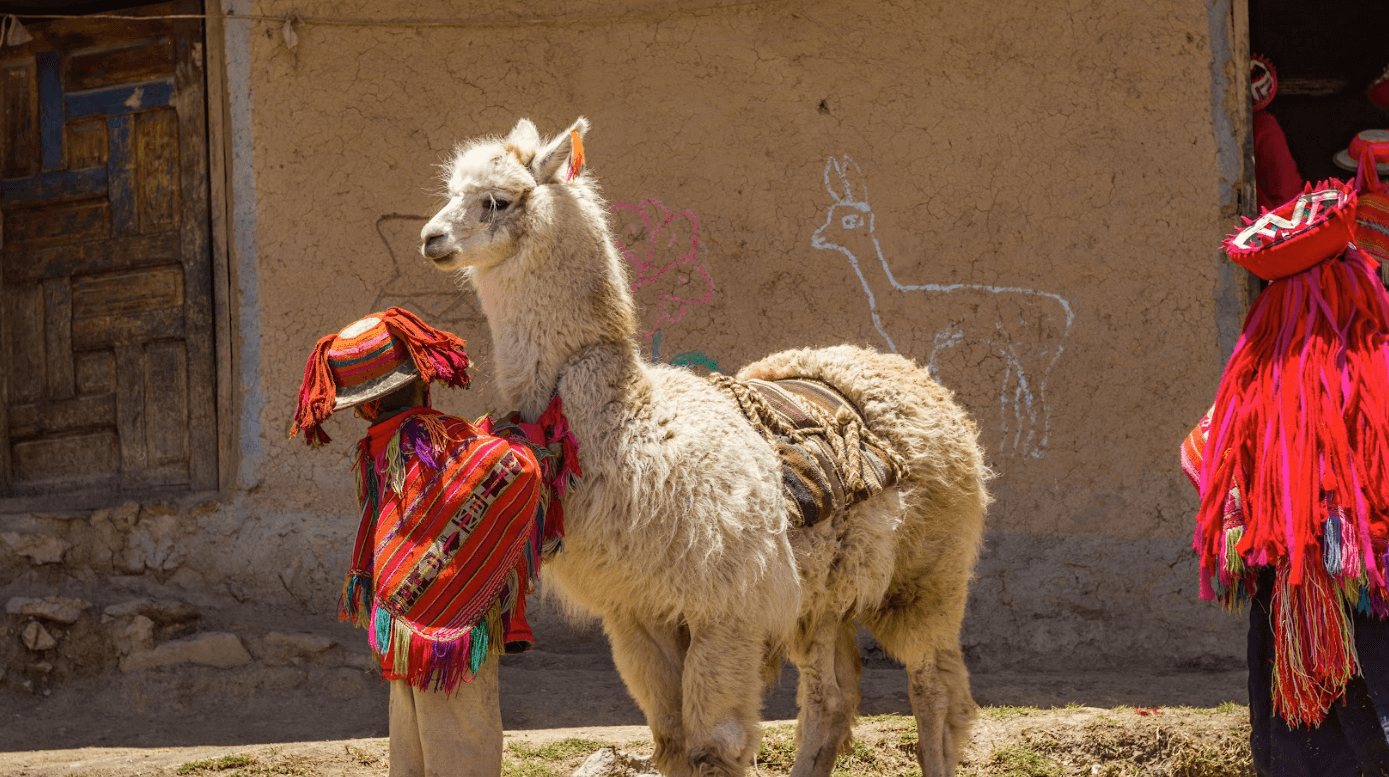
(53, 608)
(161, 611)
(281, 649)
(365, 662)
(122, 518)
(132, 635)
(217, 648)
(38, 548)
(36, 637)
(611, 762)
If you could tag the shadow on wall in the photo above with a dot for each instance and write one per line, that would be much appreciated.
(1005, 340)
(442, 304)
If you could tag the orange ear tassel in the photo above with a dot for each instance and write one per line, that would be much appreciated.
(576, 157)
(316, 396)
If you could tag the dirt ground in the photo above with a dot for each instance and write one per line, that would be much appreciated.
(1008, 742)
(272, 722)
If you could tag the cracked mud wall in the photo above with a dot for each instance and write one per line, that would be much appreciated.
(1029, 199)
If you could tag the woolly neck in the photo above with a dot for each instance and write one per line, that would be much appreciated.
(560, 296)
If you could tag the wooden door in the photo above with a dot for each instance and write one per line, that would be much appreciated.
(107, 320)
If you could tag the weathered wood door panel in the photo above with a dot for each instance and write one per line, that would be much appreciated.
(105, 268)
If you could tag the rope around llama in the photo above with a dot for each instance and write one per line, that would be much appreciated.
(830, 459)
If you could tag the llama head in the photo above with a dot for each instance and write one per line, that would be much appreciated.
(849, 220)
(491, 186)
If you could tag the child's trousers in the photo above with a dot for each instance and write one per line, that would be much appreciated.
(459, 735)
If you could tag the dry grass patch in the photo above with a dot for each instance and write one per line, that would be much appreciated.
(554, 759)
(271, 765)
(1122, 742)
(1009, 742)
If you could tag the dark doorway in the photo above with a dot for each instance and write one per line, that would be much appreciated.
(1326, 53)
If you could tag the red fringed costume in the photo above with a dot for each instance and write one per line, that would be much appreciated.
(456, 517)
(1290, 462)
(455, 521)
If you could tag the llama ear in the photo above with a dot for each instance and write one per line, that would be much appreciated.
(834, 180)
(524, 136)
(842, 179)
(569, 147)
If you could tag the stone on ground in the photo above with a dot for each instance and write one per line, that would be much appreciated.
(38, 548)
(53, 608)
(220, 649)
(36, 637)
(611, 762)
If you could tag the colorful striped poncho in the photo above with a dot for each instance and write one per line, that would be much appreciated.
(455, 521)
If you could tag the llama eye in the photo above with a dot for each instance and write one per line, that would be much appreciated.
(851, 221)
(500, 204)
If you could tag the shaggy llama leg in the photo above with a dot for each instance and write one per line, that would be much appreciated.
(650, 656)
(723, 697)
(944, 710)
(927, 641)
(828, 660)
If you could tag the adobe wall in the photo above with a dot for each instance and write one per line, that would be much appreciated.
(756, 158)
(1031, 199)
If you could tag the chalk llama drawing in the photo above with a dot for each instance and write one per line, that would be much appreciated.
(662, 249)
(1023, 331)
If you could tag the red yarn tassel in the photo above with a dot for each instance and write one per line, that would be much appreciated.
(438, 355)
(317, 396)
(1314, 647)
(556, 430)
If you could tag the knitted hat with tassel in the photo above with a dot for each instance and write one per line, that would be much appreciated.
(369, 359)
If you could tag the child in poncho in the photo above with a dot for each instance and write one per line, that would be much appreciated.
(456, 518)
(1292, 466)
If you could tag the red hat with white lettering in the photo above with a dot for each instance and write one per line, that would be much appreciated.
(1312, 227)
(1263, 81)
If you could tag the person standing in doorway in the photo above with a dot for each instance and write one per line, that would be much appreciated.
(1276, 179)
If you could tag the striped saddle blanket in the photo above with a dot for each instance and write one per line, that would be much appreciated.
(830, 461)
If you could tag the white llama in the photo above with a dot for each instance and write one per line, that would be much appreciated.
(1025, 329)
(678, 533)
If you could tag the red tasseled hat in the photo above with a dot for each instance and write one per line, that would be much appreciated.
(370, 358)
(1310, 228)
(1293, 462)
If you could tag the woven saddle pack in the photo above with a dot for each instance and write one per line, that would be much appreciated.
(830, 459)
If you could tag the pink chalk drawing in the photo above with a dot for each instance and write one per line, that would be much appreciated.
(662, 247)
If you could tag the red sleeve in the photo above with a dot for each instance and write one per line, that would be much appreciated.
(1275, 173)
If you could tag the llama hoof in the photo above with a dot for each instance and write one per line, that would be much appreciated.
(713, 765)
(670, 759)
